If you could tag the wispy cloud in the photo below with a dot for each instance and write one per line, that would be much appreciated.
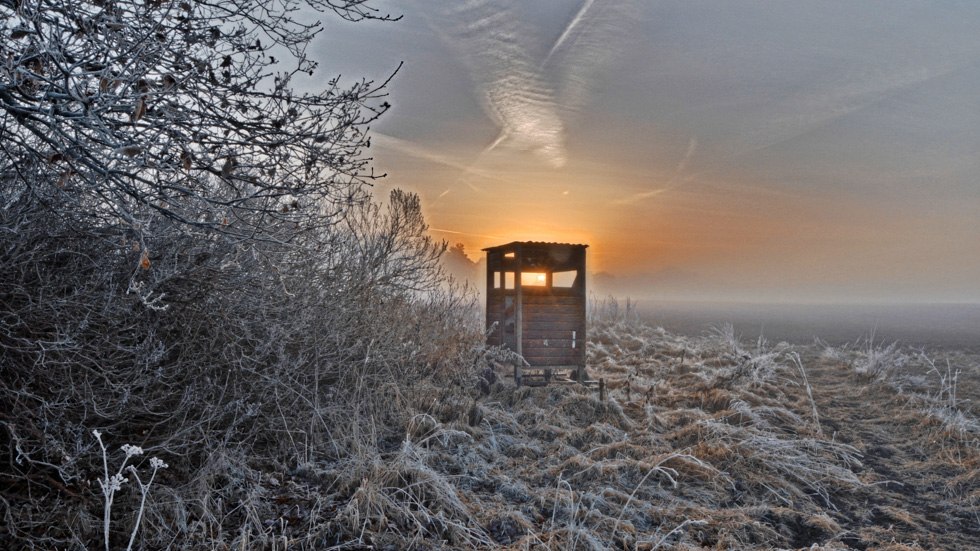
(454, 232)
(692, 147)
(581, 59)
(493, 43)
(468, 170)
(813, 109)
(527, 96)
(412, 149)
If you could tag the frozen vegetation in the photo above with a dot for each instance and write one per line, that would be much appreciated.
(213, 336)
(704, 442)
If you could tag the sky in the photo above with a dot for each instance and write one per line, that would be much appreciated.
(713, 150)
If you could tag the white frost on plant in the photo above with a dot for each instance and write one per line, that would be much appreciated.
(131, 450)
(113, 483)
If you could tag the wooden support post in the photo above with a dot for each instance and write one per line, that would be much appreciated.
(582, 337)
(602, 389)
(518, 303)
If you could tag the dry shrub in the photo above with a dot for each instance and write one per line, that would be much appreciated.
(228, 358)
(876, 361)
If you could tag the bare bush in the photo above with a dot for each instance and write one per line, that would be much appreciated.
(278, 354)
(608, 310)
(193, 264)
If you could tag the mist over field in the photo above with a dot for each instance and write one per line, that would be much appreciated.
(930, 325)
(924, 324)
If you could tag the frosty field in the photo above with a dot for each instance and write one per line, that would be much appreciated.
(703, 443)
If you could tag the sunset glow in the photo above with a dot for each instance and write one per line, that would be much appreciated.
(751, 151)
(532, 279)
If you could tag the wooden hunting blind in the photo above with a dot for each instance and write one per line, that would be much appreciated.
(536, 305)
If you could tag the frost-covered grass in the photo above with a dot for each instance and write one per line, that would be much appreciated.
(932, 383)
(233, 361)
(703, 442)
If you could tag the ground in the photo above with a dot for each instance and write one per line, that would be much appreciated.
(702, 442)
(920, 477)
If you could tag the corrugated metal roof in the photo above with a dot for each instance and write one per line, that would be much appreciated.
(534, 244)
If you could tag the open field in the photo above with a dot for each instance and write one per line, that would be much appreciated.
(703, 443)
(946, 326)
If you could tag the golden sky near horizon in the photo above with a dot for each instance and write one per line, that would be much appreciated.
(751, 150)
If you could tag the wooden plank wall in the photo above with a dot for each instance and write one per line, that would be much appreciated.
(549, 322)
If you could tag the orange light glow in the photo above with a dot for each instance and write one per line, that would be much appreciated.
(533, 279)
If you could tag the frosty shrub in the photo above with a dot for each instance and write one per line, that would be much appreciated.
(184, 111)
(609, 311)
(193, 263)
(251, 354)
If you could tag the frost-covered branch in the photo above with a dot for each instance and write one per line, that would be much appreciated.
(181, 108)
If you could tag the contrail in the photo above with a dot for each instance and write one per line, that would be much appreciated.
(816, 110)
(672, 183)
(568, 30)
(411, 149)
(692, 146)
(639, 196)
(454, 232)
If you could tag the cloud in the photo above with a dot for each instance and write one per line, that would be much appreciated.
(527, 95)
(579, 16)
(412, 149)
(492, 42)
(802, 113)
(454, 232)
(692, 146)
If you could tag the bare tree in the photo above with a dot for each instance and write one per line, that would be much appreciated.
(186, 109)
